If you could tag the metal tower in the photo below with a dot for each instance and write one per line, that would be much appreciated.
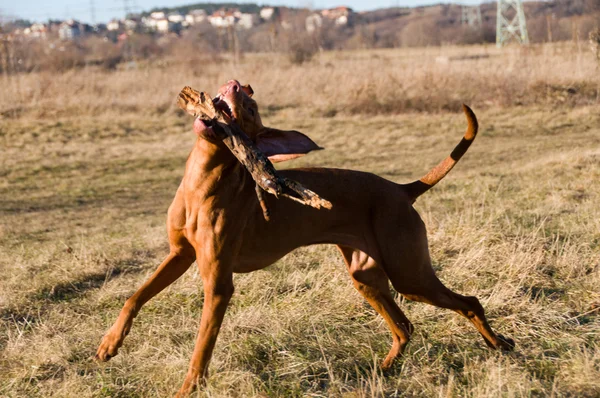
(471, 16)
(93, 12)
(510, 23)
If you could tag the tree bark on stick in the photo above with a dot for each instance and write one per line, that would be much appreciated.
(200, 104)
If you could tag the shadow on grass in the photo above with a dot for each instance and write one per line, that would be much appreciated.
(38, 304)
(67, 291)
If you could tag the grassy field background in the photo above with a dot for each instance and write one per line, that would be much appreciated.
(90, 160)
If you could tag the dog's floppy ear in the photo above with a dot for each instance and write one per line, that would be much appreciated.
(280, 146)
(248, 90)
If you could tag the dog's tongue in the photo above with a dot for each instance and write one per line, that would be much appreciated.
(221, 105)
(199, 126)
(202, 129)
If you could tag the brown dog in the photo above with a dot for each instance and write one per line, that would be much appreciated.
(216, 220)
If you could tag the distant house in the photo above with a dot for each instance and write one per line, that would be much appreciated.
(157, 15)
(69, 30)
(160, 22)
(113, 25)
(267, 13)
(247, 21)
(131, 23)
(223, 18)
(176, 17)
(164, 25)
(195, 16)
(313, 22)
(37, 31)
(149, 23)
(339, 15)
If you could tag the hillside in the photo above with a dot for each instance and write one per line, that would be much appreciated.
(287, 31)
(208, 7)
(428, 25)
(441, 24)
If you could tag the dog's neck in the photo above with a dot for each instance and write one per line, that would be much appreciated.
(211, 161)
(207, 164)
(208, 154)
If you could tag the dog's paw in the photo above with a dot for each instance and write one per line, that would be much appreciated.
(191, 383)
(505, 343)
(387, 364)
(109, 347)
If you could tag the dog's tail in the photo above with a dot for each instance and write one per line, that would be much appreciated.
(419, 187)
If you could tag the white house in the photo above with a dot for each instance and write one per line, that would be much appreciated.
(341, 20)
(339, 15)
(313, 22)
(247, 21)
(37, 30)
(223, 18)
(131, 24)
(149, 23)
(159, 21)
(69, 29)
(266, 13)
(176, 17)
(164, 25)
(113, 24)
(157, 15)
(195, 16)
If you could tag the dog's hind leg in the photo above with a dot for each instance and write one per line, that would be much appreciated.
(421, 284)
(407, 264)
(372, 282)
(467, 306)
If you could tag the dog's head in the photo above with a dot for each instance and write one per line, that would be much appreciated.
(236, 102)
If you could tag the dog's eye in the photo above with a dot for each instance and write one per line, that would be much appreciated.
(251, 111)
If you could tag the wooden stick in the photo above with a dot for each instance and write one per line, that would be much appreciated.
(200, 104)
(260, 194)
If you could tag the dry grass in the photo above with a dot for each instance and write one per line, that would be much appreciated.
(367, 82)
(83, 198)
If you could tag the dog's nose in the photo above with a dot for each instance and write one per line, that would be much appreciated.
(235, 85)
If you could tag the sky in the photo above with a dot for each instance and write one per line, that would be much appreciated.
(41, 10)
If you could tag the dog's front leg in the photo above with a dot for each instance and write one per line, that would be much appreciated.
(218, 289)
(178, 261)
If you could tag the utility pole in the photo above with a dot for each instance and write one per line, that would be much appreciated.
(510, 23)
(93, 12)
(471, 16)
(127, 7)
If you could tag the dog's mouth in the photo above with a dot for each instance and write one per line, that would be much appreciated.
(226, 102)
(221, 104)
(203, 124)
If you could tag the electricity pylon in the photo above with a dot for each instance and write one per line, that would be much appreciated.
(471, 16)
(510, 23)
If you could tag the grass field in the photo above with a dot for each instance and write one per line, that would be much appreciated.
(89, 162)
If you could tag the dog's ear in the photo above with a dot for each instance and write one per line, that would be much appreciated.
(280, 146)
(248, 90)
